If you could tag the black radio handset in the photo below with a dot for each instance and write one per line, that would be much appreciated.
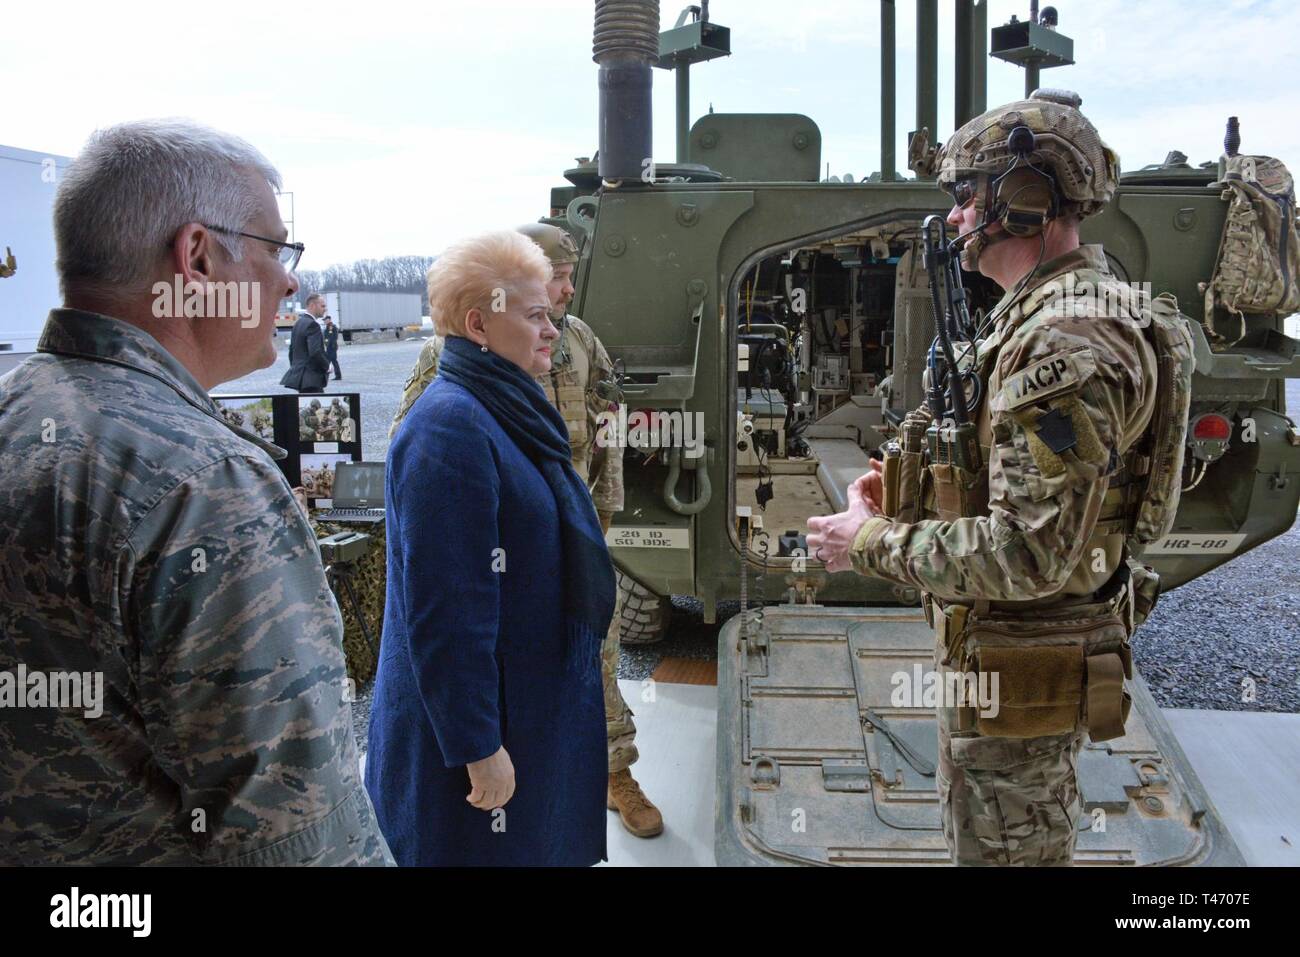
(951, 437)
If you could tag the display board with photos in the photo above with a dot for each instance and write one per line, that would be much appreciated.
(318, 431)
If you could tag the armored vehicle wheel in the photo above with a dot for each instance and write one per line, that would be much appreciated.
(644, 615)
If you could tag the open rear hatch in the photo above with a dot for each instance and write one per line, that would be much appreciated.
(816, 765)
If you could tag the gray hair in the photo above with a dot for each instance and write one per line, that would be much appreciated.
(134, 185)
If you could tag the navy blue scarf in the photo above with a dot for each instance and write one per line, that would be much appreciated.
(520, 407)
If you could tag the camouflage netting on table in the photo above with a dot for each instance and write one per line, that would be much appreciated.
(369, 581)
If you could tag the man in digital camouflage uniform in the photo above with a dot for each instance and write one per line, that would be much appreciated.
(1070, 385)
(579, 364)
(149, 546)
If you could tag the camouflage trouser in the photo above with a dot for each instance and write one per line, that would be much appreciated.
(619, 729)
(1008, 801)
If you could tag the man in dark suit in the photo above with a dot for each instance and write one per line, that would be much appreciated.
(331, 334)
(308, 366)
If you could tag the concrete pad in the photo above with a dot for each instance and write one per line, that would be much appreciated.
(1249, 763)
(675, 735)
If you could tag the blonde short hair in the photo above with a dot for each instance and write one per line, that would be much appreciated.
(469, 274)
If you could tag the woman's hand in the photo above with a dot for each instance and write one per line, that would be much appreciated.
(492, 781)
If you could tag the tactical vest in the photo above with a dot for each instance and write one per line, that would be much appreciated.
(566, 386)
(1062, 660)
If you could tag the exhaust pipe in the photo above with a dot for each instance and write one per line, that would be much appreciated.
(625, 45)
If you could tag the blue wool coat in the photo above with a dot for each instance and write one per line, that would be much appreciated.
(473, 654)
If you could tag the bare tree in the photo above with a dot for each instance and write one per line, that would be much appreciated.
(390, 274)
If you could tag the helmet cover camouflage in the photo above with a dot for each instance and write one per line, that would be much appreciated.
(555, 242)
(1066, 145)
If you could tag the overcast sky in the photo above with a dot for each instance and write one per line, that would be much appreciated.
(402, 126)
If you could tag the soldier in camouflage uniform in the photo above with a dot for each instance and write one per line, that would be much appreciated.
(1024, 566)
(145, 540)
(338, 410)
(579, 363)
(262, 424)
(329, 426)
(309, 422)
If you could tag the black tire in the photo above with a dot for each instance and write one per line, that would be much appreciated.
(644, 615)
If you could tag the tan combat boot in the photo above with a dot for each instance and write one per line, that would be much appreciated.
(626, 797)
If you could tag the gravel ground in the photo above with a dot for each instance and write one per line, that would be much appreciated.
(1240, 621)
(1194, 652)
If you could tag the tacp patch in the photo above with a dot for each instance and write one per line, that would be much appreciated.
(1044, 378)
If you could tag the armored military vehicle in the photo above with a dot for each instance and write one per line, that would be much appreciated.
(771, 329)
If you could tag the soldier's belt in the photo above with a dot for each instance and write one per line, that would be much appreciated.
(1061, 671)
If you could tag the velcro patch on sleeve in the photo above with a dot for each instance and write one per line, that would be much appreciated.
(1065, 427)
(1043, 378)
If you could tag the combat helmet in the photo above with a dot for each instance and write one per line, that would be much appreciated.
(1025, 162)
(560, 249)
(555, 242)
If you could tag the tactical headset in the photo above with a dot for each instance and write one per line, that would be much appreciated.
(1024, 197)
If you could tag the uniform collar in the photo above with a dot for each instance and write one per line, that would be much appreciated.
(99, 338)
(1090, 256)
(1084, 257)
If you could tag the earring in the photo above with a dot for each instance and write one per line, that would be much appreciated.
(483, 348)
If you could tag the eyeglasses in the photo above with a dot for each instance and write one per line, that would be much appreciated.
(290, 253)
(963, 191)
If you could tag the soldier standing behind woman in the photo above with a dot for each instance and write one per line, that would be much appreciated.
(487, 738)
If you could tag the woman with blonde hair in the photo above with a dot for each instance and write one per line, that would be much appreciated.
(487, 733)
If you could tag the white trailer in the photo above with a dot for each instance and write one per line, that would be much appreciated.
(356, 312)
(28, 180)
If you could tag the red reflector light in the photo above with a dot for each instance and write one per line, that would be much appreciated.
(1212, 427)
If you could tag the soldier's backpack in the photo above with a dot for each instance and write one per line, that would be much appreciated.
(1158, 460)
(1259, 256)
(1163, 452)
